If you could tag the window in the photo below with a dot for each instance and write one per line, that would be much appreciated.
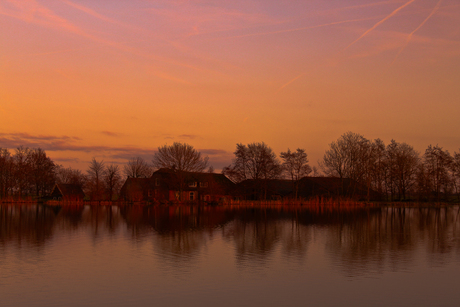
(192, 184)
(192, 196)
(203, 184)
(157, 182)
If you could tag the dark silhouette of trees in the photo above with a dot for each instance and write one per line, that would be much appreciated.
(137, 168)
(347, 157)
(436, 173)
(254, 161)
(27, 173)
(112, 181)
(455, 168)
(402, 165)
(95, 184)
(70, 176)
(257, 162)
(41, 174)
(6, 172)
(295, 166)
(180, 157)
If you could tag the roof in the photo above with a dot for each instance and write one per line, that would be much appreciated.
(68, 189)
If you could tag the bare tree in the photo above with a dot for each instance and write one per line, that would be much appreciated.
(437, 165)
(403, 163)
(112, 180)
(180, 157)
(6, 172)
(95, 175)
(255, 161)
(137, 168)
(455, 168)
(70, 176)
(348, 157)
(295, 165)
(42, 175)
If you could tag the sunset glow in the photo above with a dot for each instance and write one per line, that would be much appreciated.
(117, 79)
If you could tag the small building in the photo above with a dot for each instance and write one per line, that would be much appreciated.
(67, 192)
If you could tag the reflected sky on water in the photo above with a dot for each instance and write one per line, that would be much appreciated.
(204, 256)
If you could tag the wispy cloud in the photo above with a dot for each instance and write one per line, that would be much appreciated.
(33, 12)
(188, 136)
(89, 11)
(111, 134)
(379, 23)
(409, 37)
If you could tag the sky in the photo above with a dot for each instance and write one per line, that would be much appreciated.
(117, 79)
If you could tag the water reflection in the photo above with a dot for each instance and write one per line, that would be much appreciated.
(357, 241)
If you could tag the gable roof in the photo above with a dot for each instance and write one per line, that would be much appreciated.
(68, 190)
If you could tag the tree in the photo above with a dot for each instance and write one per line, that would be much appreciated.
(137, 168)
(455, 169)
(180, 157)
(295, 165)
(403, 164)
(95, 174)
(437, 165)
(255, 161)
(6, 172)
(348, 157)
(42, 175)
(69, 175)
(21, 168)
(112, 180)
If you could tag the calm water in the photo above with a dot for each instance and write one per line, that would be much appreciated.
(189, 256)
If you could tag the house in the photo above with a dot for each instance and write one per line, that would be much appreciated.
(67, 192)
(171, 185)
(136, 189)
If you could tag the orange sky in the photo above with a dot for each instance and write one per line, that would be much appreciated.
(116, 79)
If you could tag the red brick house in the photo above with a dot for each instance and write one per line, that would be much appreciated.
(171, 185)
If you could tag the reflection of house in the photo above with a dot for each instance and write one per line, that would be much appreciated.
(170, 185)
(68, 192)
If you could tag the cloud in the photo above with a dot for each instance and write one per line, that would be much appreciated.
(112, 134)
(213, 152)
(188, 136)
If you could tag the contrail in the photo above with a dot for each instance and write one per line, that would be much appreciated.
(379, 23)
(303, 28)
(421, 25)
(301, 75)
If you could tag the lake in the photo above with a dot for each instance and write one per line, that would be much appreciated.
(228, 256)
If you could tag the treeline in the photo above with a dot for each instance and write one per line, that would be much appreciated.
(30, 173)
(396, 170)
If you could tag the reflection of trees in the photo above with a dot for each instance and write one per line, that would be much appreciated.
(26, 225)
(257, 233)
(369, 241)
